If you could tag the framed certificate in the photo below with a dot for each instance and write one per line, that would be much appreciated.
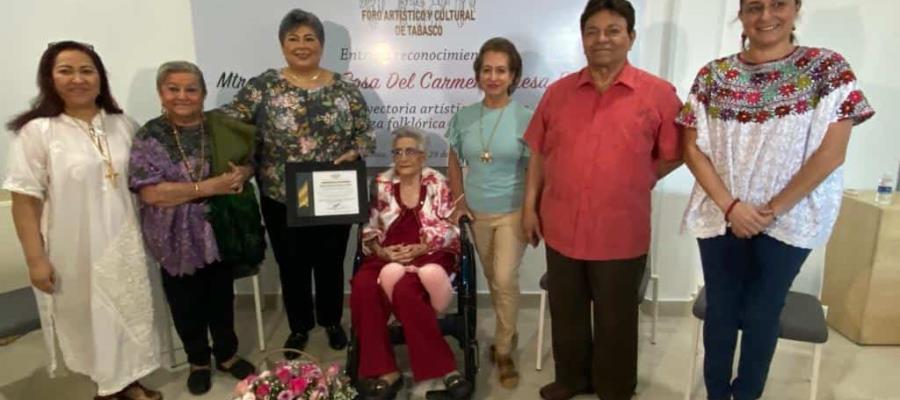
(321, 193)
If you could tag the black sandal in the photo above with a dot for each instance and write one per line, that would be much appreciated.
(457, 388)
(380, 389)
(240, 369)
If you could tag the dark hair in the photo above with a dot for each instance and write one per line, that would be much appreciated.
(296, 18)
(621, 7)
(501, 45)
(48, 102)
(744, 37)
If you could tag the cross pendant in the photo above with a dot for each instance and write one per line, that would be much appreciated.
(113, 177)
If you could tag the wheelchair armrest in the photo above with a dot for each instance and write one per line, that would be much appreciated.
(465, 223)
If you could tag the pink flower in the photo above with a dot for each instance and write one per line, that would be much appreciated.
(333, 370)
(298, 385)
(263, 390)
(308, 369)
(286, 395)
(284, 375)
(322, 381)
(243, 386)
(320, 393)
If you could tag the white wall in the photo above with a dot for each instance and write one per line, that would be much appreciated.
(677, 37)
(131, 36)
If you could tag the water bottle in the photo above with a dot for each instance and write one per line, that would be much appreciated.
(885, 190)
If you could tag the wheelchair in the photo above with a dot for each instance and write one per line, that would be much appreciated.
(460, 325)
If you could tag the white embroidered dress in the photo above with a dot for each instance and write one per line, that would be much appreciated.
(758, 124)
(101, 315)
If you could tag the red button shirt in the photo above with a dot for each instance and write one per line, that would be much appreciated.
(600, 154)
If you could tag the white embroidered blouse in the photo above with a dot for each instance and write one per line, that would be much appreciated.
(758, 124)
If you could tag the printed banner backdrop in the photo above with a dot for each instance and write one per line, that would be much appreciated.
(412, 59)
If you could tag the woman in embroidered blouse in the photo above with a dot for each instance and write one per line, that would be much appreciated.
(304, 113)
(411, 248)
(487, 137)
(170, 170)
(76, 221)
(766, 134)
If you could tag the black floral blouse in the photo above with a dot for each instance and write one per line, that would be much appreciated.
(296, 124)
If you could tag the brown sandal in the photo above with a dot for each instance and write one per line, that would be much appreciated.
(509, 377)
(144, 394)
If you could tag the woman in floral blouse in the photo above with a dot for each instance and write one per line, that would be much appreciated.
(304, 113)
(766, 132)
(411, 248)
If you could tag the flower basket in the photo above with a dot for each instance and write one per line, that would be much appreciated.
(298, 379)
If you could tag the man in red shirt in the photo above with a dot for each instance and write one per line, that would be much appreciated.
(600, 139)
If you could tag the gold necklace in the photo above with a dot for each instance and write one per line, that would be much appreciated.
(187, 166)
(486, 156)
(103, 148)
(301, 79)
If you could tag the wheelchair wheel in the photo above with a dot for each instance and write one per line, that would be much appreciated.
(471, 361)
(352, 365)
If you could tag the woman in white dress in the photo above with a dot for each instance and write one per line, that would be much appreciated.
(77, 225)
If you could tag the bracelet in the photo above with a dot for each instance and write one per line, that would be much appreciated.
(196, 187)
(731, 208)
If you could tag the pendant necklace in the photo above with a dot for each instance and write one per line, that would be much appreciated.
(486, 156)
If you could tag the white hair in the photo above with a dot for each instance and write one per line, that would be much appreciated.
(410, 132)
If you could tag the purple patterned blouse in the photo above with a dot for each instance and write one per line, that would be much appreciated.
(180, 238)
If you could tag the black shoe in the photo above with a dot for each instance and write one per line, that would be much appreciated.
(239, 370)
(457, 388)
(199, 381)
(380, 389)
(337, 338)
(296, 341)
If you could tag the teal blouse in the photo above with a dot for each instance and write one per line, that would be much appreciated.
(495, 187)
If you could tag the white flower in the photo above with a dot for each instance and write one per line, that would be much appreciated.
(342, 104)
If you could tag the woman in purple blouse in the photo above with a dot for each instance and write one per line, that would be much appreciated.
(170, 170)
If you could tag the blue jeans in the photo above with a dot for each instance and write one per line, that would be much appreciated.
(747, 281)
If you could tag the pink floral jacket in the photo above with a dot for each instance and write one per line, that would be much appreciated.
(436, 230)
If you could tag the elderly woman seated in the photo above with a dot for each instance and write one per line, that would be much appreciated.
(411, 249)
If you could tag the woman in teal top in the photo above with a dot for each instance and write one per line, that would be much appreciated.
(486, 137)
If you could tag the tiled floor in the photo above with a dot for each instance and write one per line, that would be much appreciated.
(849, 372)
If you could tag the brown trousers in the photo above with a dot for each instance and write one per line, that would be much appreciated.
(605, 359)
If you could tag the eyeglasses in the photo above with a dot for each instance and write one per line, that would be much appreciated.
(64, 42)
(409, 152)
